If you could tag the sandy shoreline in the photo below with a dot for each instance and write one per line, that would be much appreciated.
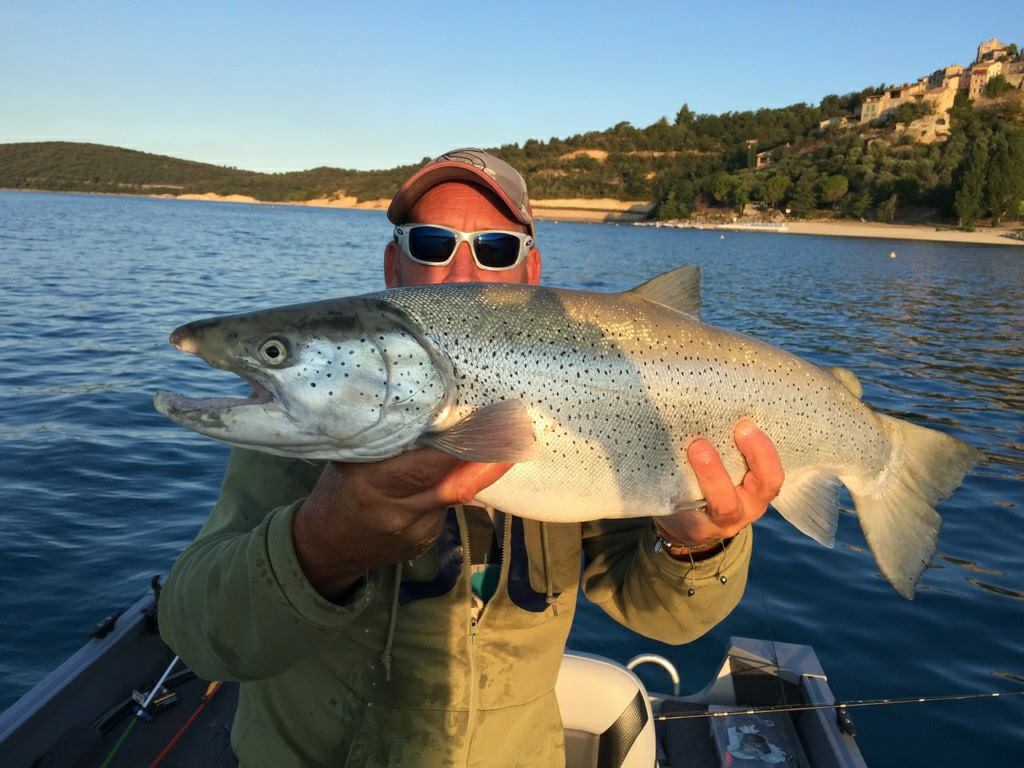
(986, 236)
(607, 210)
(941, 233)
(575, 209)
(340, 201)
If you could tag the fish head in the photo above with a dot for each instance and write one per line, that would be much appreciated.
(348, 380)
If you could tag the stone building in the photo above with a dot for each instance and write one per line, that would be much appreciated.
(952, 77)
(990, 50)
(1013, 71)
(875, 107)
(980, 75)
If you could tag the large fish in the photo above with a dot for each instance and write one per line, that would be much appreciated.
(595, 396)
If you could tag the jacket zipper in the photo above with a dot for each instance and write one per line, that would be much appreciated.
(474, 623)
(467, 577)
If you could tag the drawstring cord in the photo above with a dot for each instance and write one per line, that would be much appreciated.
(550, 599)
(385, 655)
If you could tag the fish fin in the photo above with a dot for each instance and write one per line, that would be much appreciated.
(897, 511)
(810, 501)
(848, 379)
(685, 506)
(678, 289)
(501, 432)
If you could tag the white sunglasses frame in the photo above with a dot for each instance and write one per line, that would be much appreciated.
(402, 232)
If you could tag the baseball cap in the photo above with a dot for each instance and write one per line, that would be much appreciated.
(472, 165)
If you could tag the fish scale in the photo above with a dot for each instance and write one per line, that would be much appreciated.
(629, 384)
(594, 397)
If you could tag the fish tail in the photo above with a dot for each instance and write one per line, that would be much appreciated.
(896, 508)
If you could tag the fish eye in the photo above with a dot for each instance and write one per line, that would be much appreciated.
(274, 351)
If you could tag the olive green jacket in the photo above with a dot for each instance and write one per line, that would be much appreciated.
(401, 674)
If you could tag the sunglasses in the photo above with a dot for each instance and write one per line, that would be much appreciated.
(493, 250)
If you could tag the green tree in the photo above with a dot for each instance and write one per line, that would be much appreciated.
(887, 209)
(997, 87)
(832, 105)
(775, 188)
(721, 187)
(907, 189)
(834, 188)
(859, 204)
(677, 202)
(1005, 173)
(684, 116)
(969, 197)
(739, 195)
(804, 200)
(911, 111)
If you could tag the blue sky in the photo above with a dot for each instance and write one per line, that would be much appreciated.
(286, 86)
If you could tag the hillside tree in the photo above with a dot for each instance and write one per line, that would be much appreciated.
(970, 197)
(775, 188)
(1005, 174)
(834, 188)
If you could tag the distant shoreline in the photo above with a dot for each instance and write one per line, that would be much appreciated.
(873, 230)
(987, 236)
(608, 211)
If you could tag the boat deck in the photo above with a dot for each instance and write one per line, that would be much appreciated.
(206, 742)
(82, 714)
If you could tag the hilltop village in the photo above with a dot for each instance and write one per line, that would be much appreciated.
(940, 88)
(949, 145)
(932, 96)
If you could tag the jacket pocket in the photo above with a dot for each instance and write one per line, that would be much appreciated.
(563, 559)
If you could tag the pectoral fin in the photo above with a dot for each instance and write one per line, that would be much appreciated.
(502, 432)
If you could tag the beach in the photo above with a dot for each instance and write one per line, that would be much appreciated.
(984, 236)
(607, 210)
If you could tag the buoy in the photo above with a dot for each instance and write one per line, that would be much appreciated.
(721, 237)
(892, 254)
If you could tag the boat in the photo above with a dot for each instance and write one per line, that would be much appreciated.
(110, 705)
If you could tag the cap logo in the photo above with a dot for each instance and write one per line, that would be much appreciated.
(468, 156)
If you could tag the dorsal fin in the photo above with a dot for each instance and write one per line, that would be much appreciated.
(848, 379)
(678, 289)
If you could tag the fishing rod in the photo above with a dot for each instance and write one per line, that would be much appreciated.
(839, 705)
(211, 691)
(140, 712)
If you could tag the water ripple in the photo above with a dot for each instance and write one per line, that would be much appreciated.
(98, 492)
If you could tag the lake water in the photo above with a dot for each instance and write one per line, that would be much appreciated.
(98, 492)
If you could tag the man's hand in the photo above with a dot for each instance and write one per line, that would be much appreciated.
(361, 516)
(729, 508)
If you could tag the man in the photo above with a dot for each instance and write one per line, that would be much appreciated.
(375, 617)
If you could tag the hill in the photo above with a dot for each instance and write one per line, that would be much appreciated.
(941, 146)
(77, 167)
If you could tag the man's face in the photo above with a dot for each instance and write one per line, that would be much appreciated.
(468, 208)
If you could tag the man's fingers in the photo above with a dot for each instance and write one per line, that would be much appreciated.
(423, 532)
(764, 480)
(409, 473)
(715, 483)
(461, 485)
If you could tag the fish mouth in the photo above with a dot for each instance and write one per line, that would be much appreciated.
(173, 403)
(260, 421)
(185, 409)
